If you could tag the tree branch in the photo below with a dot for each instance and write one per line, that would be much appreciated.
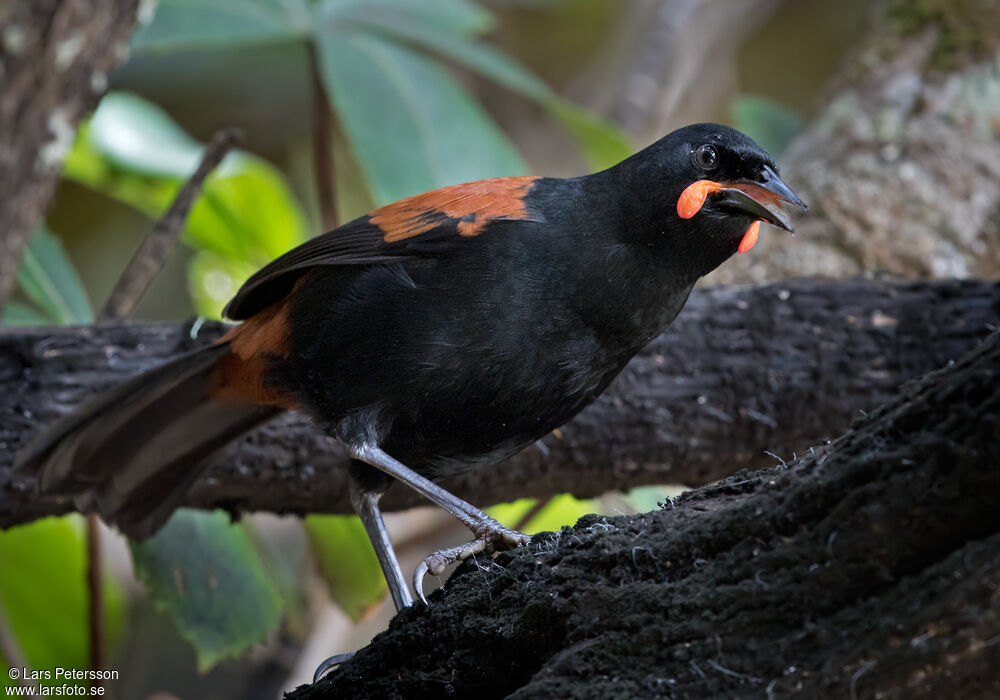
(54, 63)
(744, 369)
(867, 569)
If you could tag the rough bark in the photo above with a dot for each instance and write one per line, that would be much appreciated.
(55, 56)
(745, 369)
(869, 568)
(901, 168)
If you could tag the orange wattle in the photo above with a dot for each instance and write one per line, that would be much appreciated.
(693, 197)
(750, 237)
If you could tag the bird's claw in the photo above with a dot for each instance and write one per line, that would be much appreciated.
(329, 663)
(437, 562)
(491, 537)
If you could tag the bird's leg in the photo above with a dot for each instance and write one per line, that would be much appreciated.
(365, 504)
(490, 536)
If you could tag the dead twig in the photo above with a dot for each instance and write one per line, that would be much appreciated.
(153, 251)
(95, 598)
(536, 508)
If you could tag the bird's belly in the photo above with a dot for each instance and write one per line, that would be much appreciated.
(456, 420)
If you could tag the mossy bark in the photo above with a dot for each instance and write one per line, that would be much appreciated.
(869, 568)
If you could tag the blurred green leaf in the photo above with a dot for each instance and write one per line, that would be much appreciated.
(770, 124)
(83, 163)
(510, 514)
(43, 592)
(283, 547)
(135, 134)
(560, 510)
(602, 144)
(132, 150)
(401, 112)
(347, 561)
(49, 279)
(213, 279)
(87, 166)
(186, 24)
(203, 571)
(15, 314)
(404, 116)
(456, 17)
(247, 211)
(482, 58)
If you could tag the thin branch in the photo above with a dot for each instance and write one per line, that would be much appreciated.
(155, 248)
(536, 508)
(95, 598)
(323, 145)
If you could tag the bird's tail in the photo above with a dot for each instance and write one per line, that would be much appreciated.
(131, 453)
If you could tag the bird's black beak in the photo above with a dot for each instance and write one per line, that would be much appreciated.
(761, 199)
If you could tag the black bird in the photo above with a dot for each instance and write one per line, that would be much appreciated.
(440, 333)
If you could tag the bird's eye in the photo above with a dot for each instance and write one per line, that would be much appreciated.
(706, 157)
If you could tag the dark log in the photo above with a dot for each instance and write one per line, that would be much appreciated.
(870, 568)
(744, 370)
(54, 63)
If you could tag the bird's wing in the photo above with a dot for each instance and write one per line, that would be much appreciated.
(427, 224)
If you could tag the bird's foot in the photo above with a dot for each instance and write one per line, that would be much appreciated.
(330, 663)
(491, 537)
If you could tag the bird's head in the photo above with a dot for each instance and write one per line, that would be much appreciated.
(705, 189)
